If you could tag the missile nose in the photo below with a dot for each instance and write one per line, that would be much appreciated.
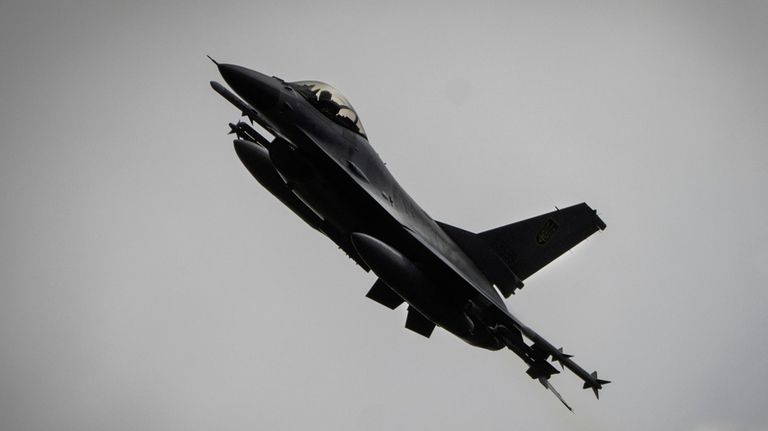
(259, 90)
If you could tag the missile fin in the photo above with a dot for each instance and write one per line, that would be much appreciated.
(595, 384)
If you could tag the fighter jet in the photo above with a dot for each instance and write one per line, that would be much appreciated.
(320, 164)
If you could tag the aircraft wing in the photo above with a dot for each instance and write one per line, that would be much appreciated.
(537, 354)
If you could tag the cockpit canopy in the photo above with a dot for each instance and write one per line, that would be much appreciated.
(331, 103)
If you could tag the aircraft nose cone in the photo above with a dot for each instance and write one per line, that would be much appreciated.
(259, 90)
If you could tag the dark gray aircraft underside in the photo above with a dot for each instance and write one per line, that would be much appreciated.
(321, 166)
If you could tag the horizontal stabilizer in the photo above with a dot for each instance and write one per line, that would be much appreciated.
(385, 296)
(528, 245)
(418, 323)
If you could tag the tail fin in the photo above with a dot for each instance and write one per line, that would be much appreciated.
(512, 253)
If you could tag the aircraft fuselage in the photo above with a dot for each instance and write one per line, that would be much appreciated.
(336, 173)
(321, 166)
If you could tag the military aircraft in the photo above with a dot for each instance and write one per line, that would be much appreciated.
(320, 164)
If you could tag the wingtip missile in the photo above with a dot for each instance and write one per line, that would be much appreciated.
(245, 108)
(595, 384)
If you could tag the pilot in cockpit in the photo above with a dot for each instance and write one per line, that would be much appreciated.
(326, 105)
(331, 103)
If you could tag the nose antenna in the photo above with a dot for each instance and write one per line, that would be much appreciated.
(214, 61)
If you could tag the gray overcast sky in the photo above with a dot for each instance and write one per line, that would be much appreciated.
(148, 282)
